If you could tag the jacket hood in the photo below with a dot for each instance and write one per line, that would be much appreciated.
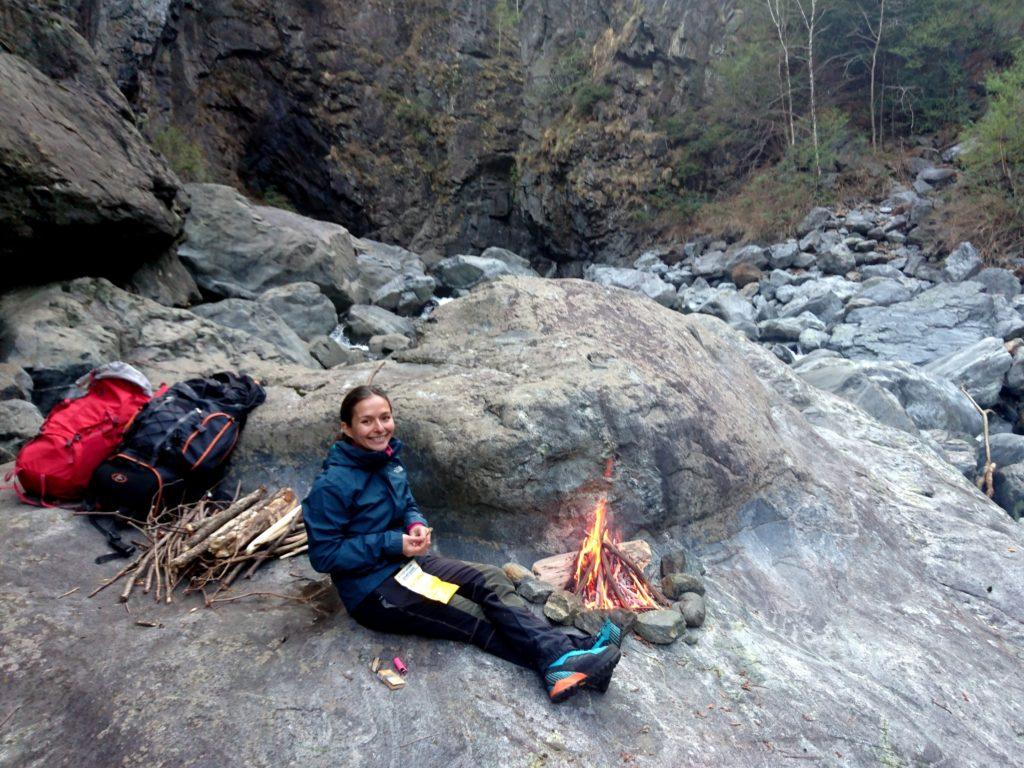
(343, 454)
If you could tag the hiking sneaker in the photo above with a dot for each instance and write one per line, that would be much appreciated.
(589, 668)
(609, 634)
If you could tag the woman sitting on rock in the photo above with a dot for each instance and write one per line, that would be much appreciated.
(364, 526)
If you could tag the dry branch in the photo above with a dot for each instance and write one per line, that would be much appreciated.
(558, 569)
(235, 534)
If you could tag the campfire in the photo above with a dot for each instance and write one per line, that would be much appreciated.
(606, 577)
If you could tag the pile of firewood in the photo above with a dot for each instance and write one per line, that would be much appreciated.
(207, 545)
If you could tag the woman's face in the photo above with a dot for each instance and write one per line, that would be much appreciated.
(371, 426)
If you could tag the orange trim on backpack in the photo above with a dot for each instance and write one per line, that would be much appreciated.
(159, 480)
(201, 425)
(214, 442)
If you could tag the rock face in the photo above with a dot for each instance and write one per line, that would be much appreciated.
(237, 250)
(839, 555)
(78, 178)
(59, 332)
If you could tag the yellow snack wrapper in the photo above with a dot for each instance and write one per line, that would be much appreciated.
(414, 579)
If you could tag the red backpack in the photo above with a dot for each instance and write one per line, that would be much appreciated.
(78, 434)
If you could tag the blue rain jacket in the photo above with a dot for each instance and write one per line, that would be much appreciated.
(355, 515)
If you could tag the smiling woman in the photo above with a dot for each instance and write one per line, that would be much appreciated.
(365, 528)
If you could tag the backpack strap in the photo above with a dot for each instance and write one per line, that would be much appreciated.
(107, 525)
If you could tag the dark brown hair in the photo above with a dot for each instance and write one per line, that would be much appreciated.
(356, 396)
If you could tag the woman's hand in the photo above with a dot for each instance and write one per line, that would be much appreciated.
(416, 541)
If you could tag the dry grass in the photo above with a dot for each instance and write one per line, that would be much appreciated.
(769, 205)
(988, 219)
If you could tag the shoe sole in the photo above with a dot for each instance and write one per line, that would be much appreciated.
(568, 686)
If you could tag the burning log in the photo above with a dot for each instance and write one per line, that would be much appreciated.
(558, 569)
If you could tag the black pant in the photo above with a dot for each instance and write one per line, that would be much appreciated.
(478, 613)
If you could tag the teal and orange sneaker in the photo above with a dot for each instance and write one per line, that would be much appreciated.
(609, 634)
(589, 668)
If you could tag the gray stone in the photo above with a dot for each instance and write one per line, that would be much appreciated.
(15, 383)
(837, 260)
(812, 339)
(660, 627)
(386, 343)
(392, 277)
(1015, 376)
(980, 368)
(461, 273)
(733, 308)
(331, 354)
(261, 321)
(365, 320)
(789, 328)
(883, 291)
(880, 270)
(645, 283)
(515, 262)
(1008, 483)
(963, 263)
(237, 249)
(820, 301)
(533, 589)
(935, 323)
(673, 561)
(895, 393)
(303, 307)
(782, 255)
(675, 584)
(923, 187)
(859, 221)
(650, 261)
(19, 422)
(562, 607)
(816, 219)
(692, 607)
(998, 281)
(937, 176)
(516, 572)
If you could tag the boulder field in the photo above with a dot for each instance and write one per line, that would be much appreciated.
(866, 601)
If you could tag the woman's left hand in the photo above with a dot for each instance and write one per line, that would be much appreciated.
(421, 533)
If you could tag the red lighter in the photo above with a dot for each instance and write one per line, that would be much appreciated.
(400, 666)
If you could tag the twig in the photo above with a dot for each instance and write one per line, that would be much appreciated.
(638, 573)
(305, 601)
(116, 576)
(10, 715)
(415, 741)
(69, 592)
(985, 481)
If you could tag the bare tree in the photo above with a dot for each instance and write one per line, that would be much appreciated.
(810, 24)
(877, 35)
(777, 9)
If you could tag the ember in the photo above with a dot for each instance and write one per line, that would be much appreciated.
(604, 576)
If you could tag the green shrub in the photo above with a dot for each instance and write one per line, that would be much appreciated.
(588, 94)
(183, 155)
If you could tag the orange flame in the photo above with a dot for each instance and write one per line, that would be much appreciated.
(603, 580)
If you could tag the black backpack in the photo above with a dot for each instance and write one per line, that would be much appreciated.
(178, 446)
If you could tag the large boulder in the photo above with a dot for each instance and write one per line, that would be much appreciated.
(366, 320)
(78, 178)
(239, 250)
(937, 322)
(58, 332)
(817, 528)
(304, 308)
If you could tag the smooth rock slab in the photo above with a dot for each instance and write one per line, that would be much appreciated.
(261, 321)
(304, 308)
(651, 286)
(980, 368)
(661, 627)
